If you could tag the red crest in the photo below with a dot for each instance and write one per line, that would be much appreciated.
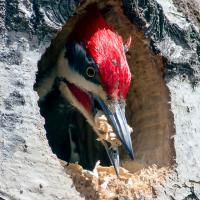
(107, 49)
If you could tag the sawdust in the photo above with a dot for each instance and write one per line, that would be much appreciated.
(102, 183)
(105, 130)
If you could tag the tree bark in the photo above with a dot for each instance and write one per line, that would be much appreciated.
(173, 29)
(28, 169)
(167, 42)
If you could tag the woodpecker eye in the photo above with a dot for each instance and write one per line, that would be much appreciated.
(90, 71)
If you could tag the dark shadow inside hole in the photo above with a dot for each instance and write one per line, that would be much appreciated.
(69, 135)
(148, 109)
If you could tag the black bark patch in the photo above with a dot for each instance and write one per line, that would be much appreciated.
(149, 16)
(56, 11)
(11, 58)
(174, 69)
(15, 19)
(198, 52)
(9, 121)
(14, 99)
(19, 84)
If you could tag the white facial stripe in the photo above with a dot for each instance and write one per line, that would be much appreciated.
(63, 70)
(73, 77)
(66, 93)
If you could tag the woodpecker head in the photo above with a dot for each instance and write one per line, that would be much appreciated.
(96, 77)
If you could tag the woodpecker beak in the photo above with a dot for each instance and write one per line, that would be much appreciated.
(116, 118)
(113, 154)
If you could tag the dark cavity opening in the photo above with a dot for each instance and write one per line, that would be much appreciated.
(68, 133)
(147, 111)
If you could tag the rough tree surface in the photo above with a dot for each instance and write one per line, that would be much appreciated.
(174, 35)
(28, 169)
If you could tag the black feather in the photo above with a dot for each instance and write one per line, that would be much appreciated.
(79, 60)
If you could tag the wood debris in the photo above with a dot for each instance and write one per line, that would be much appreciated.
(105, 130)
(102, 183)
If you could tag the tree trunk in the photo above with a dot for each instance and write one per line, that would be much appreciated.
(28, 169)
(163, 104)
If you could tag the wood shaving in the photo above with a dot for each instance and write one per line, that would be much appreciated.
(102, 183)
(105, 130)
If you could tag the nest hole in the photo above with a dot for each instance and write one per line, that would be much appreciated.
(147, 111)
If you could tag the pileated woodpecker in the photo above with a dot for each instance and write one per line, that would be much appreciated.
(94, 76)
